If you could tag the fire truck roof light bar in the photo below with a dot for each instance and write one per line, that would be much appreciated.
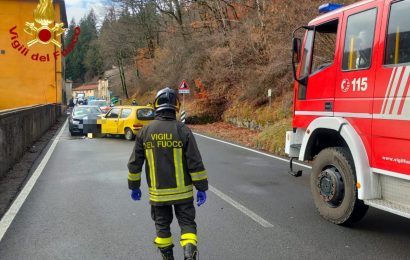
(325, 8)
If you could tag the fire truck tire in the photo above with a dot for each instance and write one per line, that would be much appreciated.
(333, 186)
(128, 134)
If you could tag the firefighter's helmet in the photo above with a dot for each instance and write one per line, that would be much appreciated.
(166, 99)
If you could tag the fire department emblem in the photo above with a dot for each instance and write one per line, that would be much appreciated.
(44, 16)
(345, 86)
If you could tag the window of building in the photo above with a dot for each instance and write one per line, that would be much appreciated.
(358, 45)
(125, 113)
(398, 35)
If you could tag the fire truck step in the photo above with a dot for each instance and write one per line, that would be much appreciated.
(296, 146)
(291, 171)
(389, 206)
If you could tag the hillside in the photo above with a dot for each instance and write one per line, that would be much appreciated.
(234, 50)
(237, 68)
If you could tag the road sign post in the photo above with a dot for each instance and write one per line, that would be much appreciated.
(183, 116)
(183, 89)
(270, 97)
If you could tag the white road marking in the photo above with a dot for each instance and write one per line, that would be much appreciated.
(255, 151)
(241, 208)
(15, 207)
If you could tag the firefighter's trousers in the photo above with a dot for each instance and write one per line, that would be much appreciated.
(163, 215)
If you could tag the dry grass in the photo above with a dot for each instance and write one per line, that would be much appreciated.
(271, 139)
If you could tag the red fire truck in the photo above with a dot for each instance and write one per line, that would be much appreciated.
(352, 108)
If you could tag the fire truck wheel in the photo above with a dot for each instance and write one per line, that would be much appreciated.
(129, 135)
(333, 186)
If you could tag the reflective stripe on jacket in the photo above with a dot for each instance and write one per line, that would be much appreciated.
(173, 162)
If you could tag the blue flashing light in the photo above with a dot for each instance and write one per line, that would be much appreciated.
(325, 8)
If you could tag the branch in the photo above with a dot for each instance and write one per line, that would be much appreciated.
(170, 13)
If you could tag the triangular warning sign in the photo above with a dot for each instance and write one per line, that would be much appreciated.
(184, 85)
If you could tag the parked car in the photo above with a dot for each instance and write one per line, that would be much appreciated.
(126, 120)
(82, 102)
(79, 113)
(102, 104)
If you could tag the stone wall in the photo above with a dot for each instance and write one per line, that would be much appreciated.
(247, 123)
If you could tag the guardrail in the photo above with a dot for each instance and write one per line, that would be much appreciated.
(20, 128)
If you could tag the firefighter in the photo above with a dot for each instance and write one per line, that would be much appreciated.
(173, 166)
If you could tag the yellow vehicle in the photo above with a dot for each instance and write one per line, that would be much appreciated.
(126, 120)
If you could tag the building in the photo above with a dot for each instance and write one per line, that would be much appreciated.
(31, 67)
(90, 91)
(103, 89)
(108, 83)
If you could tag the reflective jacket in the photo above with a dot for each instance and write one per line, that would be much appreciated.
(173, 162)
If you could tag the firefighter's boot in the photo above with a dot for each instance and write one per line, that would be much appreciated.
(190, 252)
(167, 253)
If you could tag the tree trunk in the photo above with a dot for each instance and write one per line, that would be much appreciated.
(122, 76)
(178, 12)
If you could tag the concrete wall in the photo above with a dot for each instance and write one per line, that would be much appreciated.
(20, 128)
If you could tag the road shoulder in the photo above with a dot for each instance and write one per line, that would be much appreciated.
(228, 132)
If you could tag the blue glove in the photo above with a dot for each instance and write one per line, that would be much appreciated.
(136, 194)
(200, 197)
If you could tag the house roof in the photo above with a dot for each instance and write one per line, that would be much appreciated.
(86, 87)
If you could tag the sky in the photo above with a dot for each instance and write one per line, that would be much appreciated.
(78, 8)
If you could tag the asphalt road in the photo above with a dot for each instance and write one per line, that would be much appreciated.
(80, 209)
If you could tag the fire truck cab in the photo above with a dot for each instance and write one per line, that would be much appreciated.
(352, 108)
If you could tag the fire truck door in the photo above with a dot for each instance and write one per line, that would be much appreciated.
(316, 98)
(391, 123)
(356, 75)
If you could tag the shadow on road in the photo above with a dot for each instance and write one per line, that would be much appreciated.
(381, 222)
